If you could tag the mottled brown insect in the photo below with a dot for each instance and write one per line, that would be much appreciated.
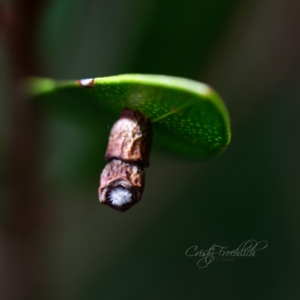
(122, 180)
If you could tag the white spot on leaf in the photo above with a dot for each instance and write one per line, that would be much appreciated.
(87, 82)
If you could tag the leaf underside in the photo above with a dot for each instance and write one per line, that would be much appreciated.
(188, 117)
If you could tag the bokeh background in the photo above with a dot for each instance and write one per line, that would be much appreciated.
(249, 51)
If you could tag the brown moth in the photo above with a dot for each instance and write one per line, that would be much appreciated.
(122, 180)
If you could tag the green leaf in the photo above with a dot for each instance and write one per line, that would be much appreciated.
(188, 117)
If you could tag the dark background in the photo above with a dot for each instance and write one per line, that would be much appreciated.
(249, 51)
